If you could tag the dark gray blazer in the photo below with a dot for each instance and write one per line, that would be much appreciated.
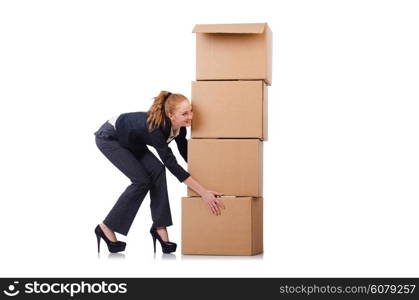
(133, 134)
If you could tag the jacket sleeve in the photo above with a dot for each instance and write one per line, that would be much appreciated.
(182, 143)
(166, 155)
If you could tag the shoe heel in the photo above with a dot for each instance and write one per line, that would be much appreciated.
(154, 243)
(98, 243)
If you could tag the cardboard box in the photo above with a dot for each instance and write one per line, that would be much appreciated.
(233, 51)
(230, 109)
(233, 167)
(237, 231)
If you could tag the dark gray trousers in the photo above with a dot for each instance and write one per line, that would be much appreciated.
(146, 173)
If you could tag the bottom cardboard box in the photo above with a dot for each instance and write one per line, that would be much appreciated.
(237, 231)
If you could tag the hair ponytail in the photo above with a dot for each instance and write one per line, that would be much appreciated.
(164, 103)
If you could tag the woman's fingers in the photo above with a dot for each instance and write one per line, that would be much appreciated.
(214, 204)
(217, 208)
(213, 210)
(220, 204)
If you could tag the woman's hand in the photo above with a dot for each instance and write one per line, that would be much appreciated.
(209, 197)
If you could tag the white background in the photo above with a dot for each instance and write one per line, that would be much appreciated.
(341, 166)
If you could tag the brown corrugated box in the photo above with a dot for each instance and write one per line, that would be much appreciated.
(230, 109)
(233, 51)
(237, 231)
(233, 167)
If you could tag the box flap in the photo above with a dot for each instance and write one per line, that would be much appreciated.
(257, 28)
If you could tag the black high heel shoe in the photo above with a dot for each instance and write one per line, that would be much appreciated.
(166, 247)
(113, 247)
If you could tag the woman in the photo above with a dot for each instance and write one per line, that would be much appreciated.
(123, 140)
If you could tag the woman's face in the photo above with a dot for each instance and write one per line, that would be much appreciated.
(182, 116)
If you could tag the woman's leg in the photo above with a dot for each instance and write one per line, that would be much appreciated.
(159, 198)
(122, 214)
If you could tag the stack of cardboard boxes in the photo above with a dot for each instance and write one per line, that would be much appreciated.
(225, 154)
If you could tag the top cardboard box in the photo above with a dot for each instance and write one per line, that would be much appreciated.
(234, 52)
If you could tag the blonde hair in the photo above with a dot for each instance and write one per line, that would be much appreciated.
(164, 104)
